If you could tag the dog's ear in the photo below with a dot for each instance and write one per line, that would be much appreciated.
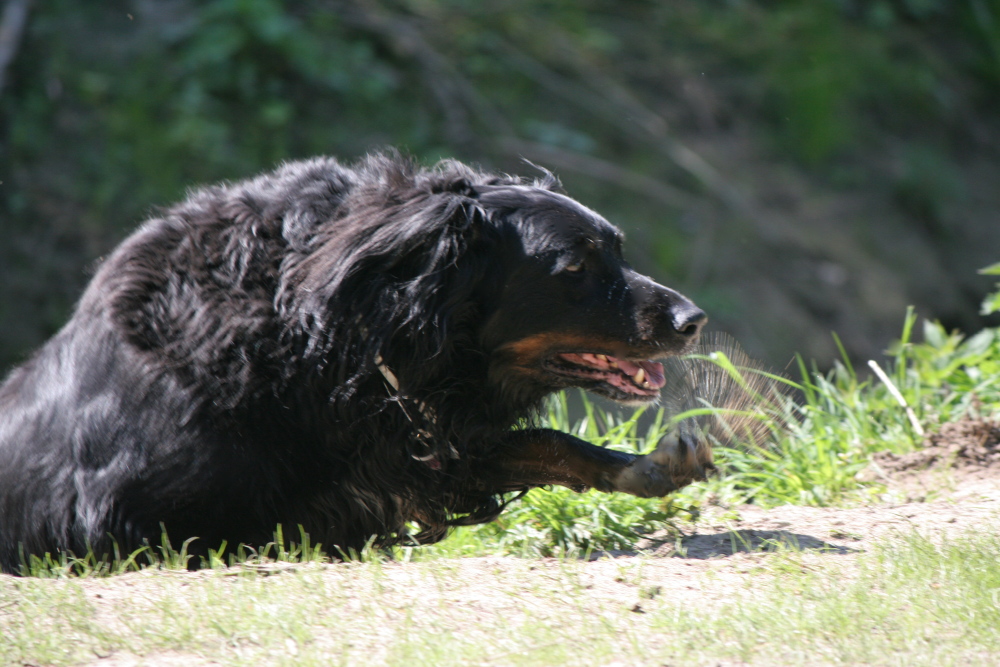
(396, 278)
(442, 299)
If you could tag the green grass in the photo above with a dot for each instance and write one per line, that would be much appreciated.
(168, 558)
(909, 601)
(824, 440)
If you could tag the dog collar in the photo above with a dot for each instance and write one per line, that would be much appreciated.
(422, 434)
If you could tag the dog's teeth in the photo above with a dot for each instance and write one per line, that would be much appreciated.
(612, 363)
(602, 357)
(640, 376)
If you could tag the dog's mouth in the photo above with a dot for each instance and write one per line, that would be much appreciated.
(616, 378)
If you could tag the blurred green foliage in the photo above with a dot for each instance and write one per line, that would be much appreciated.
(114, 107)
(991, 304)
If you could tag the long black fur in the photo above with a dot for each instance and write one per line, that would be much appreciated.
(220, 374)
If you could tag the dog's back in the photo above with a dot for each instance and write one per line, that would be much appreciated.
(125, 419)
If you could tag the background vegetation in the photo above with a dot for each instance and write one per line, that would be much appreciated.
(798, 166)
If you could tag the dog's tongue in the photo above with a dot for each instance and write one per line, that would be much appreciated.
(652, 376)
(654, 371)
(644, 374)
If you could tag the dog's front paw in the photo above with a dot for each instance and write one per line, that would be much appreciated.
(645, 478)
(678, 460)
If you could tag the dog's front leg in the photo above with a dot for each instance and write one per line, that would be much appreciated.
(537, 457)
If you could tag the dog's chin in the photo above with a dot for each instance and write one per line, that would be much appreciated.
(621, 397)
(627, 381)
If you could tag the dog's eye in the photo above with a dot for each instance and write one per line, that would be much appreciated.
(574, 267)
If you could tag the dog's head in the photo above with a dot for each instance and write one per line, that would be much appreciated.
(448, 273)
(571, 312)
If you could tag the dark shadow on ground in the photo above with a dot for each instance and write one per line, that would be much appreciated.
(727, 543)
(731, 542)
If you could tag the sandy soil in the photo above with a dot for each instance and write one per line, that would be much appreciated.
(951, 486)
(938, 500)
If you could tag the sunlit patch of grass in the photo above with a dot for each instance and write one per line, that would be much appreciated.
(824, 440)
(910, 601)
(168, 558)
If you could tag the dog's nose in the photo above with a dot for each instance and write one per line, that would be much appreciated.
(688, 319)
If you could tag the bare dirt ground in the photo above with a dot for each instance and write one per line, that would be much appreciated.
(949, 487)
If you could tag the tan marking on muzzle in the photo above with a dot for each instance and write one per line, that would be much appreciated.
(533, 348)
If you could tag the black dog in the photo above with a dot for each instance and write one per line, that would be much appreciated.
(345, 349)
